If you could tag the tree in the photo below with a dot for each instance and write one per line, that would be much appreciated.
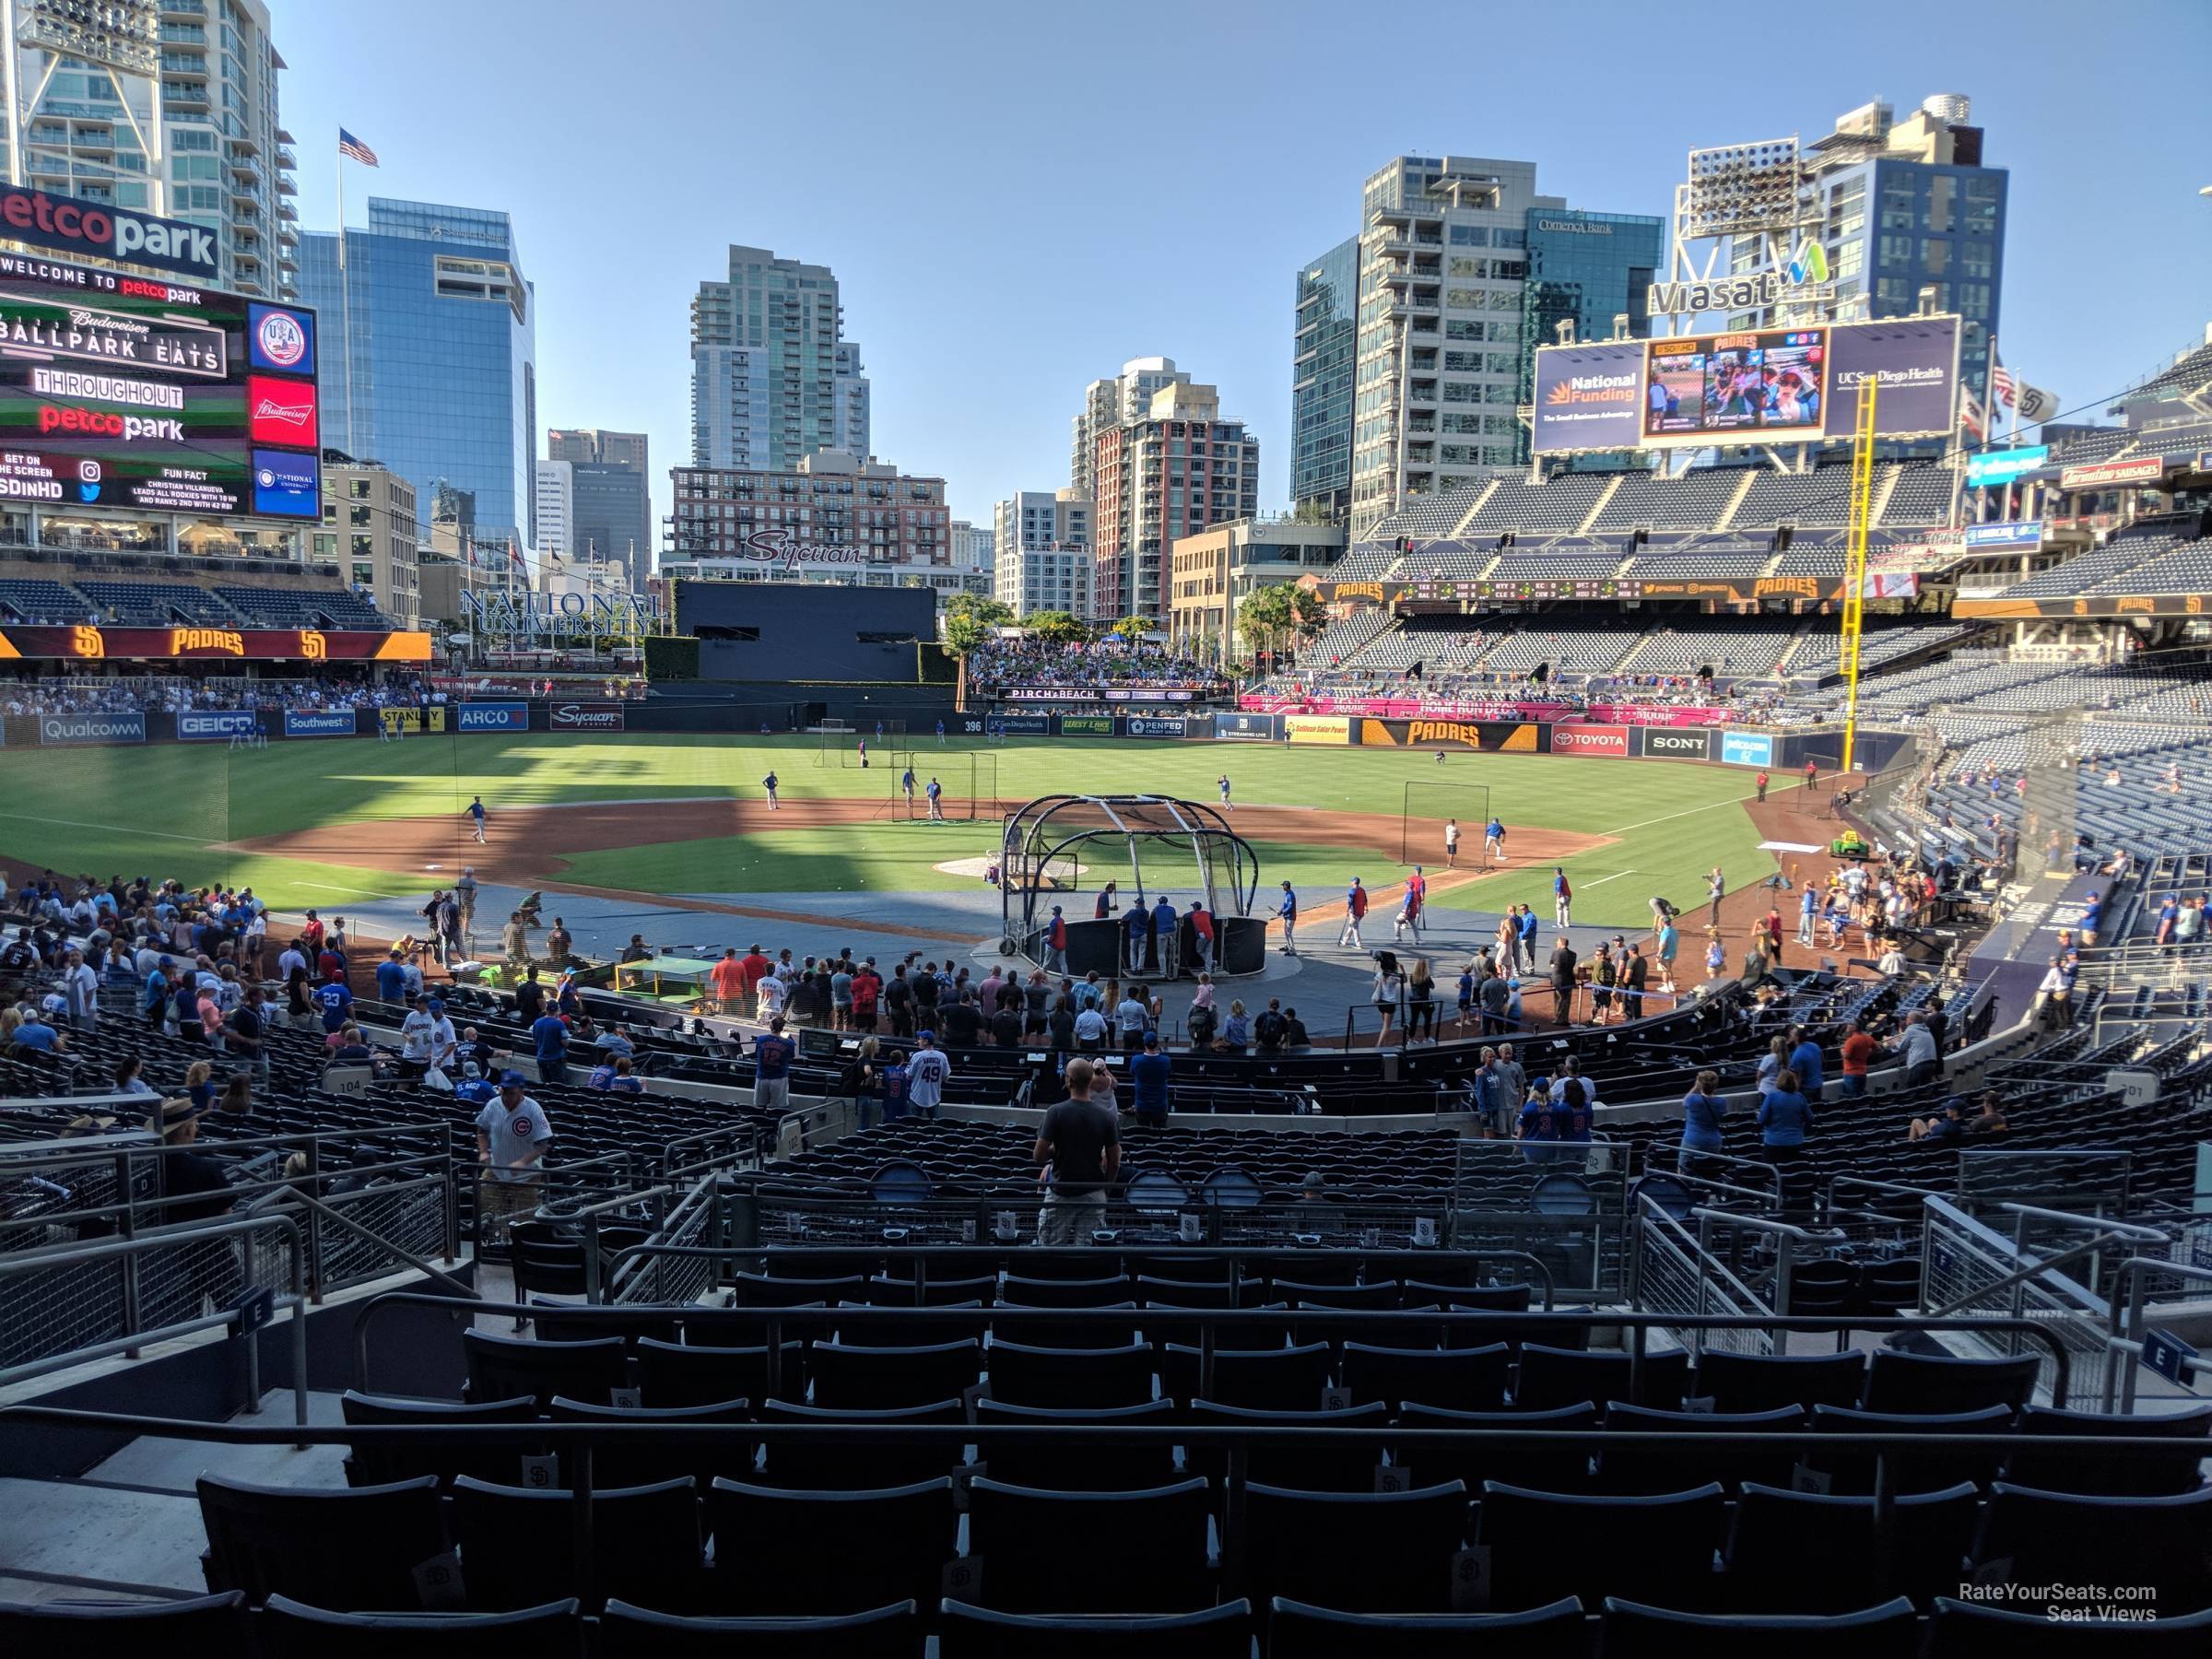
(1309, 616)
(970, 620)
(1312, 512)
(1262, 614)
(1053, 626)
(1134, 627)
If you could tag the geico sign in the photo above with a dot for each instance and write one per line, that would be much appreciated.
(587, 717)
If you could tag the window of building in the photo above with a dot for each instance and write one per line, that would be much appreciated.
(1470, 236)
(1934, 256)
(1943, 194)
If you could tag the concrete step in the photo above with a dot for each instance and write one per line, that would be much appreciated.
(76, 1538)
(173, 1464)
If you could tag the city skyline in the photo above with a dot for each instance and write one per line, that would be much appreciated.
(974, 361)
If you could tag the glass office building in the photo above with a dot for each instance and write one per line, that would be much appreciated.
(439, 382)
(1588, 268)
(1324, 354)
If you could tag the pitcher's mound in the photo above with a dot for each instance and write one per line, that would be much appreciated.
(1062, 870)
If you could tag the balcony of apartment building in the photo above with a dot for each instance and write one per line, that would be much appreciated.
(185, 97)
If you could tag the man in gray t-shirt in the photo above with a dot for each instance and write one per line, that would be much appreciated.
(1080, 1141)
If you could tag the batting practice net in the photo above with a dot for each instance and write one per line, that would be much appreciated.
(966, 783)
(1428, 808)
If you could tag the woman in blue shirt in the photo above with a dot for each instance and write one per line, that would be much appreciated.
(1702, 1109)
(1784, 1119)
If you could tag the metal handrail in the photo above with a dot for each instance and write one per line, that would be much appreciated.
(63, 1255)
(2129, 1276)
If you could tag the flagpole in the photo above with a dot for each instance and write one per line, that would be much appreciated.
(353, 447)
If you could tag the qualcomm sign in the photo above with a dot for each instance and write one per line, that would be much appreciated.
(1802, 278)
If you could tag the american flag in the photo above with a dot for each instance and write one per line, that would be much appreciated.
(350, 146)
(2000, 384)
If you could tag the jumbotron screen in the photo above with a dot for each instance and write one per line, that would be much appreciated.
(151, 394)
(1703, 389)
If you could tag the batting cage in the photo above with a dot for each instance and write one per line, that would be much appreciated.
(966, 781)
(1427, 811)
(1149, 858)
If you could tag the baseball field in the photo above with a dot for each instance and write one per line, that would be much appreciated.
(333, 823)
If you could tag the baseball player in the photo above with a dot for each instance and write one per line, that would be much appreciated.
(1226, 805)
(936, 792)
(906, 782)
(768, 784)
(1355, 911)
(1493, 840)
(1451, 843)
(476, 813)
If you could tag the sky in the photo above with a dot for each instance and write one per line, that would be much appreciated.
(1017, 198)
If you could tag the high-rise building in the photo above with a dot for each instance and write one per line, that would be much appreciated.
(1323, 360)
(1906, 205)
(1446, 320)
(216, 157)
(1585, 269)
(1173, 471)
(973, 546)
(773, 378)
(1211, 573)
(610, 515)
(1042, 552)
(1109, 403)
(369, 535)
(439, 380)
(556, 493)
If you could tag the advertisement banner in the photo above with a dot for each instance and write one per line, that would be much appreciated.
(1016, 726)
(1154, 726)
(319, 722)
(2100, 474)
(1748, 749)
(1915, 361)
(1755, 385)
(212, 725)
(1590, 740)
(2001, 466)
(1317, 728)
(585, 717)
(102, 231)
(1247, 728)
(1669, 743)
(489, 717)
(85, 642)
(1519, 737)
(415, 720)
(61, 730)
(1094, 694)
(1084, 725)
(2009, 533)
(1589, 397)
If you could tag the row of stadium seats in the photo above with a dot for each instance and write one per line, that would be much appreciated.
(137, 604)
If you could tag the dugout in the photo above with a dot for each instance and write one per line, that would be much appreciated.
(807, 632)
(1064, 850)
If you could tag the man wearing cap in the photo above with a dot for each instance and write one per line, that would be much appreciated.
(465, 895)
(1355, 911)
(1287, 910)
(1055, 942)
(512, 1138)
(549, 1040)
(194, 1189)
(154, 998)
(392, 978)
(1136, 927)
(416, 1052)
(80, 990)
(475, 1088)
(1165, 936)
(928, 1071)
(772, 1055)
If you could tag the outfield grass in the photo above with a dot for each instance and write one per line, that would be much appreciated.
(153, 809)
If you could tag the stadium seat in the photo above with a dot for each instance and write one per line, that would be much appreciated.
(499, 1368)
(290, 1630)
(1547, 1546)
(782, 1551)
(1850, 1471)
(1079, 1466)
(1976, 1630)
(882, 1379)
(552, 1323)
(351, 1549)
(1632, 1630)
(1930, 1384)
(1071, 1379)
(1091, 1552)
(1817, 1288)
(1559, 1468)
(1648, 1469)
(1763, 1382)
(2031, 1537)
(206, 1627)
(2110, 1471)
(673, 1375)
(1457, 1379)
(1222, 1632)
(1298, 1540)
(761, 1291)
(1184, 1293)
(1384, 1295)
(1331, 1467)
(1190, 1270)
(515, 1541)
(1017, 1292)
(1806, 1552)
(822, 1265)
(834, 1464)
(1258, 1379)
(892, 1332)
(638, 1462)
(1072, 1327)
(445, 1457)
(1551, 1377)
(1297, 1630)
(933, 1292)
(628, 1633)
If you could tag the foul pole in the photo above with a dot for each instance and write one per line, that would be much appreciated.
(1854, 561)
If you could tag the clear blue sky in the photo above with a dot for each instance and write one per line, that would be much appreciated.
(1017, 197)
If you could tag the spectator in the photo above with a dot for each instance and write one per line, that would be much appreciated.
(1562, 981)
(615, 1077)
(1947, 1128)
(1236, 1032)
(1784, 1119)
(1702, 1110)
(1859, 1050)
(1420, 1002)
(1090, 1027)
(1804, 1060)
(1916, 1045)
(1772, 1062)
(549, 1040)
(1079, 1145)
(1148, 1073)
(929, 1071)
(1387, 991)
(772, 1055)
(512, 1138)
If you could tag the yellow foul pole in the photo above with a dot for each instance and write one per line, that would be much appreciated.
(1855, 563)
